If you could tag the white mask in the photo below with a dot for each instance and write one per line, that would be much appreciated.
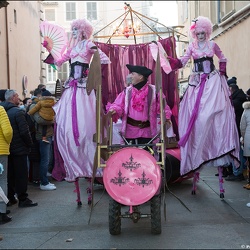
(201, 36)
(75, 32)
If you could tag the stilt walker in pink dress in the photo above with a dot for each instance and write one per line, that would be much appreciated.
(207, 128)
(75, 111)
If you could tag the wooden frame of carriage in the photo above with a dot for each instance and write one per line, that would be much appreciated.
(105, 150)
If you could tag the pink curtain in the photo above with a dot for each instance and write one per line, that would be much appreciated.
(114, 74)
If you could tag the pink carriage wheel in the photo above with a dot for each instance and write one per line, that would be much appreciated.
(132, 176)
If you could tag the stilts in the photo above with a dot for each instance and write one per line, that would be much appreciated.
(89, 191)
(77, 191)
(221, 181)
(196, 179)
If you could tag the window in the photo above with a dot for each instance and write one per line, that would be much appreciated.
(184, 14)
(51, 74)
(63, 74)
(226, 9)
(91, 11)
(213, 12)
(50, 14)
(70, 11)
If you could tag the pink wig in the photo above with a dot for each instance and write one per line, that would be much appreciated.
(201, 24)
(84, 26)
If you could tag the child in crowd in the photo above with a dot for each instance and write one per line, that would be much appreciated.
(43, 113)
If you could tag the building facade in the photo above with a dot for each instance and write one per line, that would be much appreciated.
(20, 46)
(231, 22)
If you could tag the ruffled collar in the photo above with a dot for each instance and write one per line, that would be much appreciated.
(139, 95)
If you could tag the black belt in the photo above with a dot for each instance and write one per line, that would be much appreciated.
(202, 59)
(139, 124)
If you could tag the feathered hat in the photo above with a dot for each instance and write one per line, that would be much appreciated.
(201, 24)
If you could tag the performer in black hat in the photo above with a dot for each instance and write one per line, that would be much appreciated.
(142, 70)
(233, 80)
(138, 106)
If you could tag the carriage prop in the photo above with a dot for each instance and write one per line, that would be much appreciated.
(132, 176)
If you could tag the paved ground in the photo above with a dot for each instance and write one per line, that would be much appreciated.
(211, 224)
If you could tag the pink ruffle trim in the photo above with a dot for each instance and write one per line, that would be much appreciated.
(138, 98)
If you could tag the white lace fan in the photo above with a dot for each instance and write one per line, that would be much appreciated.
(56, 39)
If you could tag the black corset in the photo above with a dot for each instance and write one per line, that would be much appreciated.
(85, 66)
(199, 64)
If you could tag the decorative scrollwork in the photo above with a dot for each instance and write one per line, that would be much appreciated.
(131, 165)
(119, 180)
(143, 181)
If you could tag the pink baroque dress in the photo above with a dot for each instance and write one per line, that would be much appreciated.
(75, 116)
(207, 127)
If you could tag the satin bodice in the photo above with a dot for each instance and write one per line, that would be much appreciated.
(209, 50)
(82, 52)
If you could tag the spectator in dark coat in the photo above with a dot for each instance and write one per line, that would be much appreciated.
(2, 93)
(248, 95)
(238, 98)
(19, 150)
(34, 155)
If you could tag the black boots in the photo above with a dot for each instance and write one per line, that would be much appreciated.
(4, 218)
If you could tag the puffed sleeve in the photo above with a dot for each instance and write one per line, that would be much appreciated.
(167, 110)
(103, 57)
(184, 59)
(65, 57)
(219, 53)
(118, 106)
